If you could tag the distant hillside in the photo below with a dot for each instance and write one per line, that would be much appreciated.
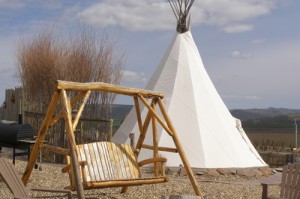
(268, 120)
(247, 114)
(119, 111)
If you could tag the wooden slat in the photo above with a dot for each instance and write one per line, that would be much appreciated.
(12, 179)
(127, 169)
(93, 153)
(83, 158)
(102, 165)
(288, 180)
(297, 185)
(295, 178)
(98, 161)
(105, 158)
(89, 165)
(130, 160)
(122, 160)
(120, 163)
(290, 184)
(113, 165)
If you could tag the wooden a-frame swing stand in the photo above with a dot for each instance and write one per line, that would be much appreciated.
(78, 164)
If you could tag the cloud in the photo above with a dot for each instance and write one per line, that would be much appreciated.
(157, 15)
(132, 15)
(238, 28)
(238, 54)
(133, 77)
(222, 12)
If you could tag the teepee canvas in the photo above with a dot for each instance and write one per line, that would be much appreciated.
(210, 136)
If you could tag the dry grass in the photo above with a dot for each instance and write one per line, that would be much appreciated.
(82, 57)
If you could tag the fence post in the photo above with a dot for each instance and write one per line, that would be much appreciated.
(111, 121)
(131, 136)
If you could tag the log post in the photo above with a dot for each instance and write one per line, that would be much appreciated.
(138, 113)
(41, 137)
(81, 107)
(155, 114)
(110, 132)
(60, 114)
(131, 137)
(155, 141)
(71, 141)
(179, 148)
(142, 134)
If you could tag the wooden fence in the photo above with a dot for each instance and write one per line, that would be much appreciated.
(12, 105)
(88, 130)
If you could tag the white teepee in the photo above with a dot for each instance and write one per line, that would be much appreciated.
(210, 136)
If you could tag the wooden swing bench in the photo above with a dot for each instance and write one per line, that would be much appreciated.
(106, 164)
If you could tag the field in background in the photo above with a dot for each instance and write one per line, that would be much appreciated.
(273, 133)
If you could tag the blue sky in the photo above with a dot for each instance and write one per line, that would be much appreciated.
(250, 48)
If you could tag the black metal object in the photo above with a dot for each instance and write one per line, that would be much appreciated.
(14, 135)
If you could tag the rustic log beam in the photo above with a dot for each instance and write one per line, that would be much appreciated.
(142, 134)
(155, 114)
(138, 113)
(167, 149)
(118, 183)
(100, 86)
(81, 107)
(40, 138)
(61, 114)
(155, 141)
(55, 149)
(179, 148)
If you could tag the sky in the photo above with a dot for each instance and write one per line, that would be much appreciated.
(250, 48)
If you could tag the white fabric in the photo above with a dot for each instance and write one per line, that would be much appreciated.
(207, 131)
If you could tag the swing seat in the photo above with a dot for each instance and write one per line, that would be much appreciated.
(107, 164)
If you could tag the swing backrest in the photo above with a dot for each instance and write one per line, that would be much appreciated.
(106, 161)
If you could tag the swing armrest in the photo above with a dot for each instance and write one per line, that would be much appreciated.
(162, 162)
(152, 160)
(68, 167)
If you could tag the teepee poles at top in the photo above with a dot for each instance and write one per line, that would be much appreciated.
(181, 9)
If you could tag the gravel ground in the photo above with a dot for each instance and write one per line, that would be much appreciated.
(51, 177)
